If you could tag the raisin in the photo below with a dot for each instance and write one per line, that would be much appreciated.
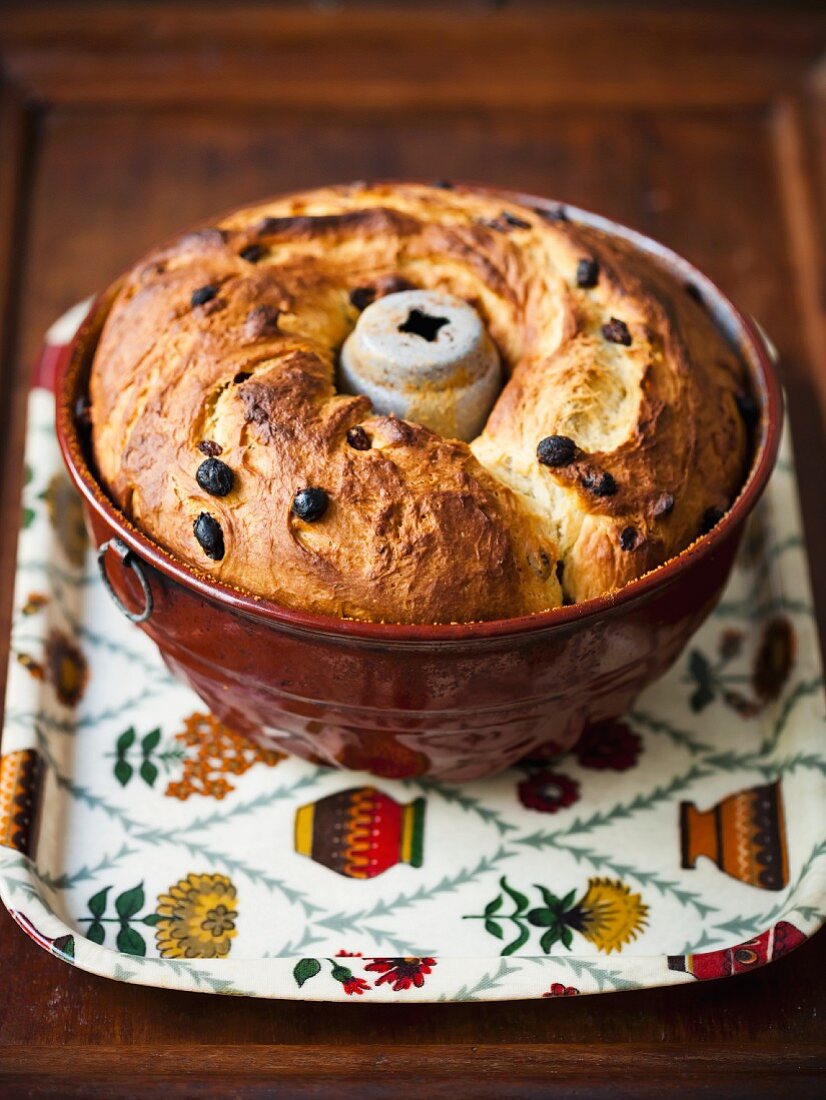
(749, 409)
(203, 294)
(616, 332)
(362, 296)
(556, 450)
(358, 438)
(587, 274)
(210, 447)
(711, 517)
(514, 220)
(556, 214)
(252, 253)
(310, 504)
(601, 485)
(663, 505)
(83, 412)
(209, 534)
(505, 221)
(215, 477)
(241, 376)
(628, 538)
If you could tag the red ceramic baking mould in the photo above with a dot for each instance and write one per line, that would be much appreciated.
(456, 701)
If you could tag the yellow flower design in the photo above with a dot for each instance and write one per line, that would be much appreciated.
(609, 915)
(197, 918)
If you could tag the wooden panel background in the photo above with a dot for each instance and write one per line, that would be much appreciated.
(702, 125)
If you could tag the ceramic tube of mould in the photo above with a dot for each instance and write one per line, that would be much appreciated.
(424, 356)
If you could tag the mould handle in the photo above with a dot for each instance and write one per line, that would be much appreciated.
(128, 560)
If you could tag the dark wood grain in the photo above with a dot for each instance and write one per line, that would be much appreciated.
(703, 126)
(472, 1070)
(399, 58)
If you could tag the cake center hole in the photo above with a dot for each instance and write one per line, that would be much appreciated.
(422, 324)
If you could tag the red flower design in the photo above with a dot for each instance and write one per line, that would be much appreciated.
(548, 792)
(402, 972)
(608, 745)
(355, 985)
(560, 990)
(348, 954)
(746, 708)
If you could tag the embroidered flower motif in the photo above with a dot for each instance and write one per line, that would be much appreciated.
(306, 969)
(548, 791)
(608, 745)
(66, 517)
(351, 985)
(772, 665)
(745, 707)
(197, 918)
(401, 972)
(355, 986)
(35, 601)
(219, 751)
(609, 915)
(219, 920)
(33, 667)
(774, 659)
(560, 990)
(67, 668)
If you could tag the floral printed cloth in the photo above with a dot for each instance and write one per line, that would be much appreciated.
(142, 840)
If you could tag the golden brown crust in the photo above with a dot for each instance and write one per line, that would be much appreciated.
(418, 528)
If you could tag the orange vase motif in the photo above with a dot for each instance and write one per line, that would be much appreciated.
(21, 775)
(771, 944)
(360, 832)
(744, 834)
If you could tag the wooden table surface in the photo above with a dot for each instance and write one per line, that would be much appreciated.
(704, 126)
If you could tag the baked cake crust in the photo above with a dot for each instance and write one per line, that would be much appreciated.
(222, 348)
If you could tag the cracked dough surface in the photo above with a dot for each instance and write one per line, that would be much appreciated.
(419, 529)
